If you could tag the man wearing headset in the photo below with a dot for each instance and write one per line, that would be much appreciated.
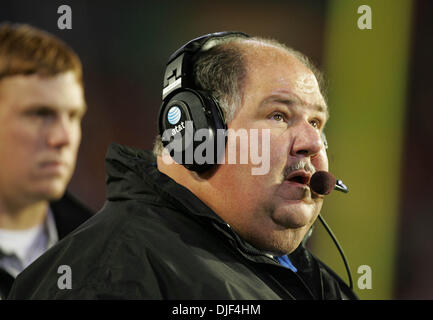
(192, 230)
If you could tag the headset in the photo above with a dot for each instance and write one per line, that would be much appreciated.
(182, 101)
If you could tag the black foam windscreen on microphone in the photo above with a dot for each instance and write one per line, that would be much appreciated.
(322, 182)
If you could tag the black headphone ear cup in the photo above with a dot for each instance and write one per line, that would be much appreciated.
(173, 119)
(185, 120)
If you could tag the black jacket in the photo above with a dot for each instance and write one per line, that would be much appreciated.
(68, 214)
(154, 239)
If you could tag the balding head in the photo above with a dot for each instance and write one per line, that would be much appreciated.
(222, 67)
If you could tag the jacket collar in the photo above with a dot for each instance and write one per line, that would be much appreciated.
(132, 174)
(68, 214)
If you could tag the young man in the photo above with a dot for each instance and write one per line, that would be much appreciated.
(178, 231)
(41, 107)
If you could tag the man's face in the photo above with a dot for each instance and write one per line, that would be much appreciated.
(40, 132)
(274, 211)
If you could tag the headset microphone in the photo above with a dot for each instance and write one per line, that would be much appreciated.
(323, 183)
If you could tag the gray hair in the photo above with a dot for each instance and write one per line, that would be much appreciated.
(220, 69)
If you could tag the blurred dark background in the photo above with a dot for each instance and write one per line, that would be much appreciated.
(124, 46)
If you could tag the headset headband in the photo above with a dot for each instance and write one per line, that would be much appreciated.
(177, 73)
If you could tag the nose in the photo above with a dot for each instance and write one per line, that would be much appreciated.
(59, 134)
(307, 141)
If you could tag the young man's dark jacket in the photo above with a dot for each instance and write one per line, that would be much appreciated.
(68, 214)
(154, 239)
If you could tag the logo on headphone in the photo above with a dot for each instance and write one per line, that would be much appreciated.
(173, 115)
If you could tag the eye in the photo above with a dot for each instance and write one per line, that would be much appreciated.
(277, 116)
(315, 123)
(42, 112)
(74, 115)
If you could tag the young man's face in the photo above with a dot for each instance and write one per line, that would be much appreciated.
(273, 211)
(40, 132)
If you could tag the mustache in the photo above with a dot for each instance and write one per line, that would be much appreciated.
(302, 164)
